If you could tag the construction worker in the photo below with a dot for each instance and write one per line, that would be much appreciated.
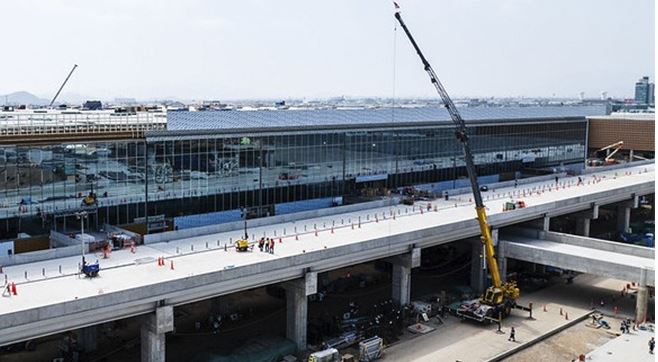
(512, 335)
(267, 246)
(261, 243)
(580, 181)
(652, 344)
(271, 246)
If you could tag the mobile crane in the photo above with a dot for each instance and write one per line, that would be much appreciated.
(608, 159)
(499, 299)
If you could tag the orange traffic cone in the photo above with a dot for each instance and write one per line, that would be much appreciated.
(13, 288)
(280, 241)
(171, 265)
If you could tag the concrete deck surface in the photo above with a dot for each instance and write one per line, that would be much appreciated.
(121, 272)
(627, 347)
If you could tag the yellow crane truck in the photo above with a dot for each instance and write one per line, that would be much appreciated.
(500, 298)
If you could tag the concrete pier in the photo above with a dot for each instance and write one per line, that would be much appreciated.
(88, 338)
(583, 226)
(478, 266)
(401, 277)
(624, 214)
(501, 256)
(642, 298)
(153, 331)
(623, 218)
(297, 292)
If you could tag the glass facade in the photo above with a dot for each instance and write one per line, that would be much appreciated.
(171, 174)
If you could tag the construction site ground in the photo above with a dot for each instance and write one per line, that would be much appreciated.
(466, 341)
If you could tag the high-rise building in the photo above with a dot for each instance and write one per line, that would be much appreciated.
(644, 91)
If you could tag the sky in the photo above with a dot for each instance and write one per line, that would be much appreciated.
(258, 49)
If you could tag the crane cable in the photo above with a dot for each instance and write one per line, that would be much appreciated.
(395, 34)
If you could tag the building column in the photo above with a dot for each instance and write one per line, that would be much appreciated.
(478, 266)
(153, 331)
(582, 226)
(297, 292)
(546, 223)
(88, 338)
(401, 277)
(642, 298)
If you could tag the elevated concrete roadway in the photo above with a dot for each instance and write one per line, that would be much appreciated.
(133, 284)
(591, 256)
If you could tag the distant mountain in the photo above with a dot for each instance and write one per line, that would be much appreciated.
(19, 98)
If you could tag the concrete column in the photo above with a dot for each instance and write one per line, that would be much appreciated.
(401, 284)
(401, 277)
(219, 305)
(582, 226)
(623, 218)
(297, 292)
(153, 331)
(546, 223)
(502, 261)
(478, 266)
(642, 298)
(88, 338)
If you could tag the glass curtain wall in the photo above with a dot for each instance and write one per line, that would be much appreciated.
(41, 184)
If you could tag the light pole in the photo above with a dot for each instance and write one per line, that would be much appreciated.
(82, 216)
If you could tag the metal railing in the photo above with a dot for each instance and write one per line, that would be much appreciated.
(57, 123)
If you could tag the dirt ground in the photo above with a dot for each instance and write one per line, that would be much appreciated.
(568, 344)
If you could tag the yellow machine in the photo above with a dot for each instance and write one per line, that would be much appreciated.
(243, 244)
(501, 297)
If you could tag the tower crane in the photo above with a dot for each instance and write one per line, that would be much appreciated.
(501, 296)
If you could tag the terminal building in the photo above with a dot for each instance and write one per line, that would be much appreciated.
(150, 171)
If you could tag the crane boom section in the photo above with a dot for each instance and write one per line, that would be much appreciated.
(462, 136)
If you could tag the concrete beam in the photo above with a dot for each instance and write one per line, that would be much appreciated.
(591, 214)
(153, 330)
(600, 244)
(408, 260)
(579, 259)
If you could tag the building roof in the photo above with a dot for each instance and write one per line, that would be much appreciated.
(627, 116)
(233, 120)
